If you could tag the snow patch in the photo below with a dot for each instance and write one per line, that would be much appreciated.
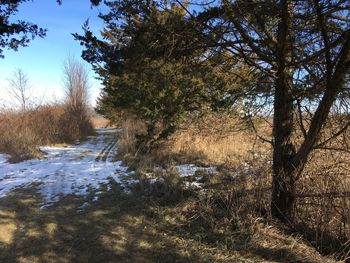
(191, 169)
(75, 169)
(187, 172)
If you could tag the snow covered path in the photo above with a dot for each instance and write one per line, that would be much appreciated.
(76, 169)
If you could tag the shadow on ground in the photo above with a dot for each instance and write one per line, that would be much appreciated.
(119, 227)
(114, 229)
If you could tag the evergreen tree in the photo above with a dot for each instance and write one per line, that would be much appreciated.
(154, 65)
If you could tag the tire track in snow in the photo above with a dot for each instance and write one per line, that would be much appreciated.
(109, 151)
(77, 169)
(105, 149)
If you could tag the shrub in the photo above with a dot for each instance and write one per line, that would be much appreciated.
(22, 132)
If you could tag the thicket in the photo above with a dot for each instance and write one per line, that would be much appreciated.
(233, 204)
(23, 130)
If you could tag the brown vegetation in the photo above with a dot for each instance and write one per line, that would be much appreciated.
(215, 139)
(22, 132)
(123, 227)
(100, 122)
(241, 190)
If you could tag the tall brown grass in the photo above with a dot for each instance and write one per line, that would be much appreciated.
(22, 132)
(100, 122)
(242, 186)
(212, 140)
(323, 203)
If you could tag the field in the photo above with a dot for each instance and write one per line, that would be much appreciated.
(198, 197)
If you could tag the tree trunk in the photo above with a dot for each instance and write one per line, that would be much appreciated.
(283, 192)
(287, 163)
(284, 173)
(283, 183)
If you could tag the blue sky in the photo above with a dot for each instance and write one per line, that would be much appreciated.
(42, 60)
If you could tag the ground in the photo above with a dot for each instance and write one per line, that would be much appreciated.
(78, 204)
(75, 206)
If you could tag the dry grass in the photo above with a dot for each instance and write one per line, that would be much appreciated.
(244, 181)
(217, 139)
(100, 122)
(22, 132)
(223, 141)
(131, 228)
(323, 208)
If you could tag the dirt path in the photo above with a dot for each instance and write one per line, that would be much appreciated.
(73, 207)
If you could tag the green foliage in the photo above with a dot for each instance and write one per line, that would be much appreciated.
(154, 65)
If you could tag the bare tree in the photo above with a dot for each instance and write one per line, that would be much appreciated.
(76, 83)
(19, 89)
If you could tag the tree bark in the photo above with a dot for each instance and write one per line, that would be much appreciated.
(284, 173)
(287, 162)
(283, 183)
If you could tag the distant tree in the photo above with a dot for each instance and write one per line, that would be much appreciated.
(17, 33)
(19, 89)
(76, 86)
(76, 83)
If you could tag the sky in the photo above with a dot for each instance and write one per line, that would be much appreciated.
(43, 59)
